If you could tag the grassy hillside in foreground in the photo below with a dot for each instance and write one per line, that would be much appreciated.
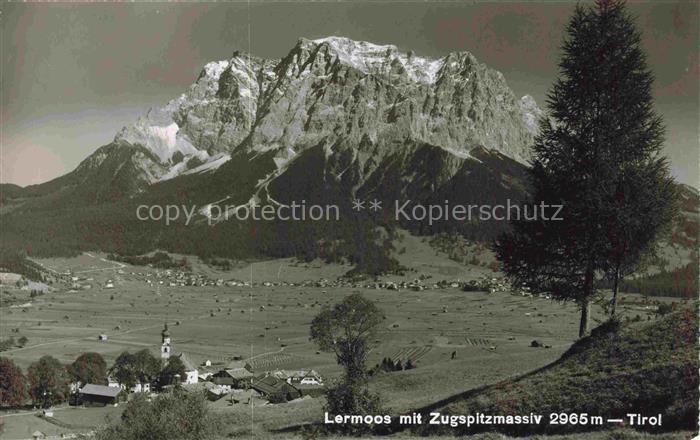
(646, 368)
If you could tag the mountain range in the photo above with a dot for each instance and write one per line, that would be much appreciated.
(333, 120)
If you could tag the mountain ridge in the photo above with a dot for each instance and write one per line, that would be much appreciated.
(331, 121)
(239, 103)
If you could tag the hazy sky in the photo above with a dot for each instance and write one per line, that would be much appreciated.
(74, 74)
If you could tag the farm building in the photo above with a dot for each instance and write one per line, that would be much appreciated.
(99, 394)
(216, 392)
(102, 337)
(205, 375)
(299, 377)
(233, 377)
(141, 388)
(275, 389)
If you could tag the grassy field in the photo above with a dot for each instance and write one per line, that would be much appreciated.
(648, 368)
(269, 326)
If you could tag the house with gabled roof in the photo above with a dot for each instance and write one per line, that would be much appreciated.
(274, 389)
(99, 394)
(239, 377)
(299, 377)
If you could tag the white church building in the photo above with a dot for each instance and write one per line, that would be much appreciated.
(191, 372)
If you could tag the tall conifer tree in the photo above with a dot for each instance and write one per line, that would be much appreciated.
(599, 155)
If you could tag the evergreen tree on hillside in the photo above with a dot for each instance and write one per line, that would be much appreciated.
(598, 155)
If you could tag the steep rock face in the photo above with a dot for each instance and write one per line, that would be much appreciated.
(359, 100)
(335, 88)
(207, 122)
(367, 107)
(217, 112)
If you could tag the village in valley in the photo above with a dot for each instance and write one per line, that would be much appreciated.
(234, 380)
(241, 336)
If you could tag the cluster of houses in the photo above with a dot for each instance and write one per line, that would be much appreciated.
(487, 284)
(235, 379)
(238, 381)
(86, 283)
(180, 278)
(496, 285)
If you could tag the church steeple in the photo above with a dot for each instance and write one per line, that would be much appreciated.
(165, 347)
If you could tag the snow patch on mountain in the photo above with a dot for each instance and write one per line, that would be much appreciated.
(157, 132)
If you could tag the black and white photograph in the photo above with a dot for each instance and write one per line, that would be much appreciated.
(349, 219)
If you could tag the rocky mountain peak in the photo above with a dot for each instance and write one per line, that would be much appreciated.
(333, 91)
(387, 60)
(370, 58)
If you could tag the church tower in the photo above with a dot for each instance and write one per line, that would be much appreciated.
(165, 347)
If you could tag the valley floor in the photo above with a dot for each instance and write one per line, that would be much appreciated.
(489, 335)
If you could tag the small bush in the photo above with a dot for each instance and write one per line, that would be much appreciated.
(175, 416)
(353, 399)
